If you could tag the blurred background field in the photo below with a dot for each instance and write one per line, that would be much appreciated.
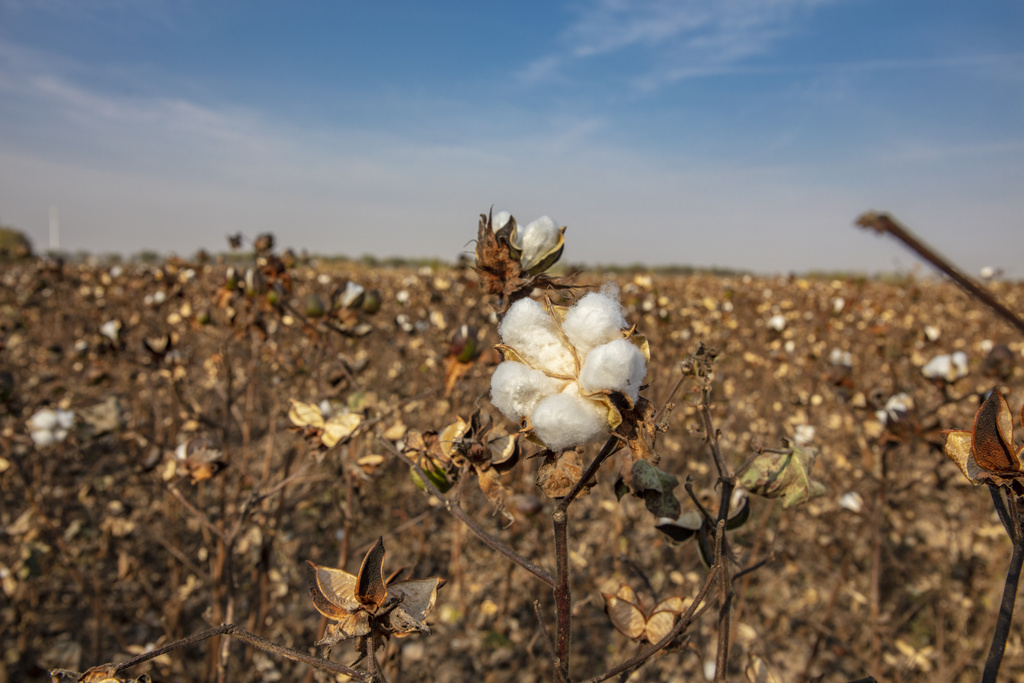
(111, 544)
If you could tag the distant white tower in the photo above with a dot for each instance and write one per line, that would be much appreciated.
(54, 229)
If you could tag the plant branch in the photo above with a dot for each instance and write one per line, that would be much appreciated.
(251, 639)
(883, 223)
(725, 598)
(455, 509)
(563, 595)
(1005, 620)
(610, 447)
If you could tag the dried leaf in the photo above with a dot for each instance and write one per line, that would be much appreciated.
(682, 528)
(305, 414)
(783, 475)
(340, 427)
(454, 370)
(640, 432)
(655, 487)
(416, 599)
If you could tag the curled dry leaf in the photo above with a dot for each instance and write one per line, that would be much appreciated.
(655, 487)
(305, 414)
(331, 431)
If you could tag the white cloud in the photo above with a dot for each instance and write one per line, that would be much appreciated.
(684, 34)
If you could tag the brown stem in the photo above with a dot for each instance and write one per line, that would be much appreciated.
(883, 223)
(251, 639)
(1005, 620)
(725, 599)
(563, 595)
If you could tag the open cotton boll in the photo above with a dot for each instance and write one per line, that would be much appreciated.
(616, 366)
(531, 331)
(499, 220)
(595, 319)
(44, 419)
(516, 389)
(567, 420)
(537, 239)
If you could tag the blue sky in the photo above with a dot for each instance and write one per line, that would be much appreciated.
(736, 133)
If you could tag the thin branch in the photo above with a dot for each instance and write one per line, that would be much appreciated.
(1005, 620)
(251, 639)
(456, 511)
(883, 223)
(725, 597)
(544, 629)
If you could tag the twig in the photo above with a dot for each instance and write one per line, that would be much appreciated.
(1005, 620)
(455, 509)
(251, 639)
(883, 223)
(544, 629)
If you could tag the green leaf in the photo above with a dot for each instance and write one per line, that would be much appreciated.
(655, 487)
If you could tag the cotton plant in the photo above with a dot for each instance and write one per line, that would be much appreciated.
(563, 366)
(511, 260)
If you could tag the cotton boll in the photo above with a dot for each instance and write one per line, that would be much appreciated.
(595, 319)
(516, 389)
(42, 437)
(530, 330)
(44, 419)
(617, 366)
(499, 220)
(566, 420)
(66, 419)
(537, 239)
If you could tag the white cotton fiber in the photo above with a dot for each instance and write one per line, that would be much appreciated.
(616, 366)
(530, 330)
(516, 389)
(537, 239)
(566, 420)
(499, 220)
(595, 319)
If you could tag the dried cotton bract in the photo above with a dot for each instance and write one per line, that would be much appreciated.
(563, 364)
